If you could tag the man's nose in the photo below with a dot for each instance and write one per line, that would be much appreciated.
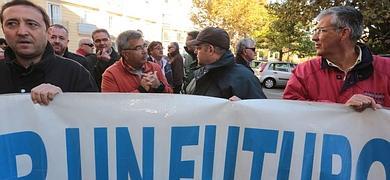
(22, 29)
(314, 37)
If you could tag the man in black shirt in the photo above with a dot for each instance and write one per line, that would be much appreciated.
(219, 75)
(31, 64)
(58, 37)
(105, 55)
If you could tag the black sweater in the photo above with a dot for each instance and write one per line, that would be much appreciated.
(68, 75)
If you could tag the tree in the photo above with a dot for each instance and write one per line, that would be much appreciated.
(240, 18)
(289, 31)
(293, 15)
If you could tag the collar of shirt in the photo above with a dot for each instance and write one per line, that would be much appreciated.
(162, 62)
(358, 60)
(132, 70)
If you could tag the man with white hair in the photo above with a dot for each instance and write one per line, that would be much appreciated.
(245, 52)
(86, 47)
(345, 71)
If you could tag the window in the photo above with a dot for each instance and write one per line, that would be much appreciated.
(178, 37)
(84, 18)
(281, 67)
(110, 19)
(293, 66)
(165, 36)
(54, 13)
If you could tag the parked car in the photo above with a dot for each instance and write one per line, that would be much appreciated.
(273, 74)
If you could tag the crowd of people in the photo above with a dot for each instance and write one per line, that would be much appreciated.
(37, 60)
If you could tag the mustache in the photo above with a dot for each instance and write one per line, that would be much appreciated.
(23, 40)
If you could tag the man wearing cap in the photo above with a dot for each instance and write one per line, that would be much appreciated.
(219, 75)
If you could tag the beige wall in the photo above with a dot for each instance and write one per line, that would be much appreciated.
(154, 19)
(69, 20)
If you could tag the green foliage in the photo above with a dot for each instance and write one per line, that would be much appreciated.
(285, 27)
(300, 13)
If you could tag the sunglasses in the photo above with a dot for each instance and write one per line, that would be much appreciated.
(253, 49)
(89, 44)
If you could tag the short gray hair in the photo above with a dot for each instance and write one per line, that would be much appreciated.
(345, 16)
(244, 43)
(85, 40)
(122, 41)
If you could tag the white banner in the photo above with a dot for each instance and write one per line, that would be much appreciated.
(156, 136)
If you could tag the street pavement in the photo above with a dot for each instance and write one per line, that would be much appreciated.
(275, 93)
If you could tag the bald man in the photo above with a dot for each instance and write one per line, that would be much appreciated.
(86, 47)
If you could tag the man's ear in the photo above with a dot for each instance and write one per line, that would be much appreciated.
(243, 52)
(211, 49)
(346, 33)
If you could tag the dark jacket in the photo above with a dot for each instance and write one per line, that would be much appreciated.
(98, 67)
(68, 75)
(190, 65)
(80, 59)
(224, 79)
(240, 60)
(177, 69)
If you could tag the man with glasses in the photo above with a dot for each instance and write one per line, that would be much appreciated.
(58, 37)
(133, 73)
(345, 71)
(156, 55)
(86, 47)
(219, 75)
(246, 52)
(105, 54)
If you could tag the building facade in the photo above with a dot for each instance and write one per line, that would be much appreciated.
(159, 20)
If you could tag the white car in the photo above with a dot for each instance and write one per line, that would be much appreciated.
(273, 74)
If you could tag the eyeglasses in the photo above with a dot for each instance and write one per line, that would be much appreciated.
(253, 49)
(88, 44)
(158, 48)
(325, 29)
(137, 48)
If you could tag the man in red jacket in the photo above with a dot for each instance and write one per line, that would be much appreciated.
(133, 73)
(345, 71)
